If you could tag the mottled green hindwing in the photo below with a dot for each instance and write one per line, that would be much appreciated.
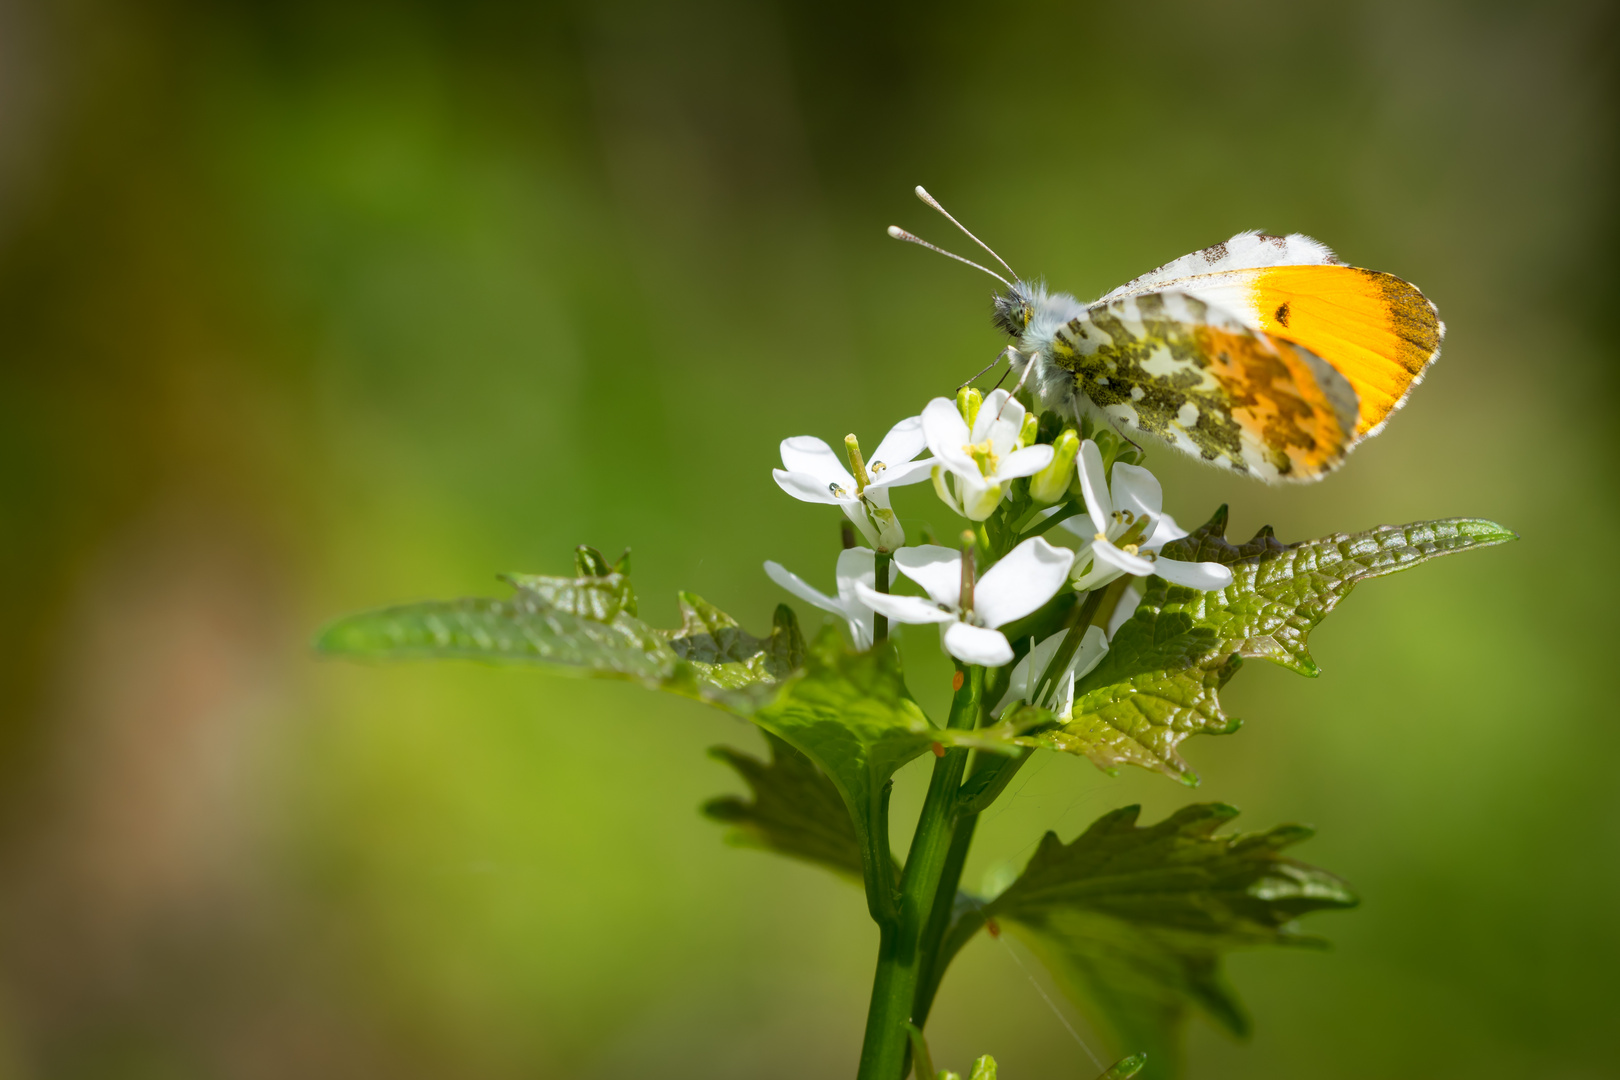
(1172, 367)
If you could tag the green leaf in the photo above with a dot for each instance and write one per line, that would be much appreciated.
(723, 654)
(795, 810)
(584, 626)
(1280, 592)
(1133, 920)
(851, 714)
(596, 598)
(1160, 680)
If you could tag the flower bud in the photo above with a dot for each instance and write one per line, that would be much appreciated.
(891, 535)
(1052, 483)
(1030, 431)
(877, 523)
(968, 401)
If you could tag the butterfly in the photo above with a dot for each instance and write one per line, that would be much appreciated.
(1266, 355)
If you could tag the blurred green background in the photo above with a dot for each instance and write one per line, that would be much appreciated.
(309, 307)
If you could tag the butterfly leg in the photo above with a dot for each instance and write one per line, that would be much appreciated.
(1022, 379)
(999, 357)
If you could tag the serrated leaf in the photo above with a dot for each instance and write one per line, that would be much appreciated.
(1160, 680)
(1157, 684)
(1133, 920)
(599, 599)
(725, 654)
(795, 810)
(1280, 592)
(708, 657)
(851, 714)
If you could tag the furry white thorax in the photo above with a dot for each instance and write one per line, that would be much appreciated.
(1051, 386)
(1199, 274)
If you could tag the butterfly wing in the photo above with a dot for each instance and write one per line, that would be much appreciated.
(1170, 365)
(1376, 330)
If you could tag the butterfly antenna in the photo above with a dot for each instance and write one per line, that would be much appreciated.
(931, 201)
(900, 234)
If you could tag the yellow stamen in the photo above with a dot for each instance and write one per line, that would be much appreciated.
(984, 456)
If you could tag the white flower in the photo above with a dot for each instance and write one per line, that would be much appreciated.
(855, 566)
(1129, 601)
(1122, 531)
(976, 465)
(1059, 698)
(813, 472)
(1029, 576)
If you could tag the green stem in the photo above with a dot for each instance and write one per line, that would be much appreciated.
(880, 621)
(1079, 620)
(1070, 509)
(894, 986)
(993, 771)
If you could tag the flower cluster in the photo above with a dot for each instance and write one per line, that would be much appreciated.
(1055, 519)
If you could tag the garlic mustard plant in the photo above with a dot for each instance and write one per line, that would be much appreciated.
(1079, 619)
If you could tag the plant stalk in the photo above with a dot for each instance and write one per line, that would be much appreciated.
(885, 1051)
(950, 880)
(880, 568)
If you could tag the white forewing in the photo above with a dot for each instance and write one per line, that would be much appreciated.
(1251, 250)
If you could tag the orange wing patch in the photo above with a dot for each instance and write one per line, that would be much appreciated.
(1293, 414)
(1375, 329)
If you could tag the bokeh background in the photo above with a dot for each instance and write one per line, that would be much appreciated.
(309, 307)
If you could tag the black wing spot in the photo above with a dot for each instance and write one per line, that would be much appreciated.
(1282, 315)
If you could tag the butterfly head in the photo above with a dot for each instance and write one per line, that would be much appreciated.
(1015, 307)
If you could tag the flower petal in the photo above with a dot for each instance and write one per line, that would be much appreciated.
(1205, 576)
(1129, 601)
(1094, 576)
(1027, 577)
(1165, 530)
(907, 472)
(808, 454)
(906, 609)
(808, 488)
(1094, 484)
(1107, 554)
(937, 569)
(862, 628)
(976, 645)
(979, 500)
(1137, 490)
(947, 433)
(1021, 683)
(903, 442)
(997, 409)
(801, 588)
(1081, 525)
(855, 564)
(1006, 418)
(1026, 462)
(1090, 653)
